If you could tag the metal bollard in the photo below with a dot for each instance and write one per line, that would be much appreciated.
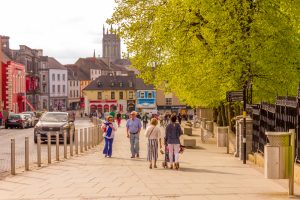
(92, 132)
(49, 147)
(13, 157)
(57, 146)
(76, 141)
(89, 138)
(71, 143)
(81, 140)
(26, 153)
(39, 157)
(65, 145)
(85, 139)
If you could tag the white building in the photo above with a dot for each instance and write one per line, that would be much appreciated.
(58, 85)
(73, 87)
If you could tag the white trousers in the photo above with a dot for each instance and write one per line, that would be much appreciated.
(174, 149)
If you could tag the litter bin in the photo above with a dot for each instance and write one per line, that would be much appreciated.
(277, 155)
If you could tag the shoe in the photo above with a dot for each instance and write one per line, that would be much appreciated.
(176, 166)
(137, 155)
(105, 156)
(150, 166)
(171, 166)
(132, 156)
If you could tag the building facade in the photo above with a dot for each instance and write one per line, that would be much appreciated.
(108, 93)
(1, 61)
(13, 87)
(170, 103)
(58, 83)
(73, 87)
(145, 97)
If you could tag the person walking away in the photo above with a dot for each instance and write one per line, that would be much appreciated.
(145, 120)
(173, 132)
(179, 117)
(154, 135)
(133, 128)
(109, 128)
(119, 118)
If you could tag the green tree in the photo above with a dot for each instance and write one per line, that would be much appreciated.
(202, 49)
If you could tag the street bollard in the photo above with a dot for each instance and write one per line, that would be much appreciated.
(95, 135)
(92, 130)
(26, 153)
(57, 146)
(65, 145)
(13, 157)
(71, 143)
(76, 141)
(85, 139)
(39, 157)
(49, 147)
(81, 140)
(89, 138)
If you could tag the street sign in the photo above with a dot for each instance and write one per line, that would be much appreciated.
(232, 96)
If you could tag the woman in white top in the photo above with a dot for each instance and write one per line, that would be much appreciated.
(109, 129)
(154, 135)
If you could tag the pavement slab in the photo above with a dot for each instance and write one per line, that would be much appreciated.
(206, 173)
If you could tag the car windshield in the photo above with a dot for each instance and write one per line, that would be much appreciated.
(54, 117)
(14, 117)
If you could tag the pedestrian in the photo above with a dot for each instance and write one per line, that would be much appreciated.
(145, 120)
(173, 132)
(133, 128)
(119, 118)
(154, 135)
(109, 128)
(179, 117)
(1, 118)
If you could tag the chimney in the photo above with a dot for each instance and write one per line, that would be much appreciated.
(5, 44)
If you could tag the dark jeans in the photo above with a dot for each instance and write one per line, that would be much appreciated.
(108, 147)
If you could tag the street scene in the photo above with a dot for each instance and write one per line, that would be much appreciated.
(164, 99)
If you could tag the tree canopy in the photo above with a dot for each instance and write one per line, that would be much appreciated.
(201, 49)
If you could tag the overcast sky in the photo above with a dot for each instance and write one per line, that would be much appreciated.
(64, 29)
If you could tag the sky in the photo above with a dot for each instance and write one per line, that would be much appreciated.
(64, 29)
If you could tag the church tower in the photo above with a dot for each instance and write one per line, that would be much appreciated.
(111, 45)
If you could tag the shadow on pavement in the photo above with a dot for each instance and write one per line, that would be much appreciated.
(185, 169)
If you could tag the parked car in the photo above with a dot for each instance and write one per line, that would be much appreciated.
(16, 120)
(54, 122)
(34, 118)
(30, 120)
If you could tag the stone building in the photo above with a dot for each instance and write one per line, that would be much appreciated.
(111, 45)
(73, 87)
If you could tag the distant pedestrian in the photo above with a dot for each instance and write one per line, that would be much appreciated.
(119, 118)
(154, 135)
(179, 117)
(173, 132)
(1, 118)
(109, 128)
(145, 120)
(133, 128)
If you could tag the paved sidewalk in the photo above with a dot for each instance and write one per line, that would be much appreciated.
(206, 173)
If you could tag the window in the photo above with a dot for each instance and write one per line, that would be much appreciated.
(53, 77)
(53, 88)
(99, 95)
(112, 95)
(77, 83)
(64, 77)
(112, 84)
(77, 93)
(70, 93)
(44, 88)
(130, 84)
(121, 84)
(130, 95)
(58, 88)
(142, 95)
(150, 95)
(121, 95)
(64, 88)
(44, 77)
(168, 101)
(100, 84)
(58, 77)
